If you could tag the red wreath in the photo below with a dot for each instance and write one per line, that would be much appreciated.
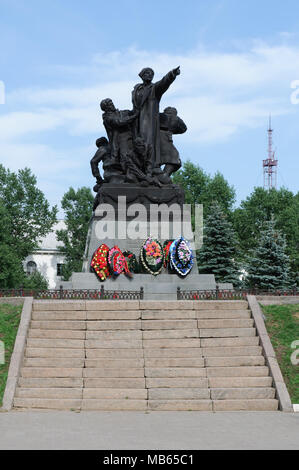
(99, 262)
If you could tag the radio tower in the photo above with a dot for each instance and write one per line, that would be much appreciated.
(270, 164)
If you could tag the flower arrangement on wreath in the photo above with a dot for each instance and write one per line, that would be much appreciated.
(181, 256)
(132, 262)
(166, 248)
(99, 262)
(152, 256)
(117, 262)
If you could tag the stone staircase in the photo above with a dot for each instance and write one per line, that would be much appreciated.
(144, 355)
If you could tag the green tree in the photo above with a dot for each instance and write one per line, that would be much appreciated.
(219, 247)
(77, 206)
(268, 265)
(35, 281)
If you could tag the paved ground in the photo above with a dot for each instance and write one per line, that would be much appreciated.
(154, 430)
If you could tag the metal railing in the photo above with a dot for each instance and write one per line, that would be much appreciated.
(229, 294)
(74, 294)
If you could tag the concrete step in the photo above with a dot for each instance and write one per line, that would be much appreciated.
(169, 324)
(225, 323)
(232, 351)
(115, 393)
(113, 315)
(173, 352)
(125, 372)
(239, 382)
(49, 392)
(61, 305)
(58, 325)
(180, 382)
(70, 382)
(178, 393)
(236, 361)
(114, 353)
(114, 363)
(114, 325)
(166, 305)
(53, 362)
(226, 332)
(180, 405)
(224, 342)
(48, 403)
(114, 405)
(245, 405)
(111, 344)
(58, 315)
(111, 305)
(164, 372)
(220, 304)
(171, 343)
(114, 382)
(168, 314)
(55, 372)
(114, 334)
(54, 352)
(250, 371)
(174, 362)
(242, 393)
(56, 334)
(55, 343)
(222, 314)
(170, 334)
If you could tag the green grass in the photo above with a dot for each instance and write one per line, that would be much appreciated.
(9, 321)
(282, 322)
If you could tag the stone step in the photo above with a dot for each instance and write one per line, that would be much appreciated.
(173, 352)
(222, 314)
(55, 372)
(174, 362)
(114, 353)
(111, 305)
(165, 305)
(168, 314)
(226, 332)
(114, 405)
(168, 324)
(49, 392)
(250, 371)
(114, 363)
(111, 344)
(164, 372)
(178, 393)
(242, 393)
(61, 305)
(180, 405)
(54, 352)
(115, 393)
(51, 382)
(180, 382)
(238, 341)
(58, 325)
(220, 304)
(114, 325)
(58, 315)
(56, 334)
(55, 343)
(171, 343)
(239, 382)
(236, 361)
(232, 351)
(125, 372)
(104, 382)
(53, 362)
(114, 334)
(48, 403)
(225, 323)
(245, 405)
(113, 315)
(170, 334)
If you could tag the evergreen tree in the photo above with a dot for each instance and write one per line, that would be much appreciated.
(268, 265)
(219, 248)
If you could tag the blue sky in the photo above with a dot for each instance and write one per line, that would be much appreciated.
(238, 59)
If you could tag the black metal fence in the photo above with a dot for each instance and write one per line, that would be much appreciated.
(227, 294)
(74, 294)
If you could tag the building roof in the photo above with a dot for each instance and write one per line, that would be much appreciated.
(50, 242)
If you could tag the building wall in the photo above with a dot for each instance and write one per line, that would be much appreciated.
(46, 264)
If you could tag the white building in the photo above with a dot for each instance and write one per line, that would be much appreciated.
(47, 259)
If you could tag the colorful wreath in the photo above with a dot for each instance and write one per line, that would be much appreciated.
(117, 262)
(166, 247)
(152, 256)
(181, 256)
(132, 262)
(99, 262)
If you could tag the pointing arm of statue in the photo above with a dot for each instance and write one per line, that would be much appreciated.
(162, 86)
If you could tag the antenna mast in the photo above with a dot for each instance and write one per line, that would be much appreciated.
(270, 164)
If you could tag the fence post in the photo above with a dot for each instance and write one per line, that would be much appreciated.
(102, 291)
(217, 292)
(178, 293)
(61, 292)
(141, 293)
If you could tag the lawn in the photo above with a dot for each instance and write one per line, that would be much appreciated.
(9, 321)
(282, 322)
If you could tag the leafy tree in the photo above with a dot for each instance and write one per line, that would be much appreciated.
(219, 248)
(268, 265)
(35, 281)
(78, 210)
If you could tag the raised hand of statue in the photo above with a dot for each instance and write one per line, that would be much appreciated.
(177, 71)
